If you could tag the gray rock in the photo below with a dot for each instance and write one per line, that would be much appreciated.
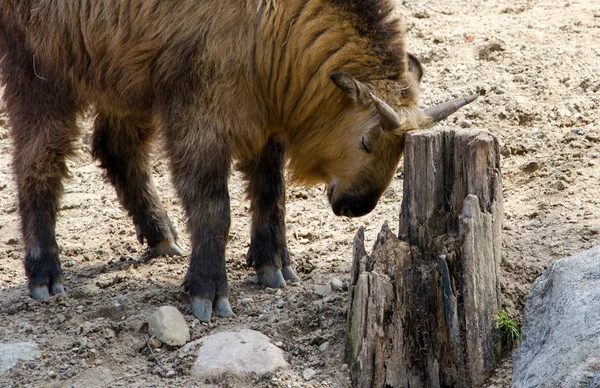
(466, 123)
(168, 325)
(170, 373)
(11, 354)
(336, 284)
(324, 346)
(240, 353)
(323, 290)
(561, 334)
(308, 374)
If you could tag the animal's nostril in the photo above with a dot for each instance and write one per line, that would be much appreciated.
(347, 212)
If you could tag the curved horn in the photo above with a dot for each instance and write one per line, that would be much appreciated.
(445, 109)
(389, 118)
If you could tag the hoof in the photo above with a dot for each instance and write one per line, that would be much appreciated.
(57, 288)
(271, 278)
(42, 292)
(202, 309)
(289, 274)
(166, 248)
(222, 308)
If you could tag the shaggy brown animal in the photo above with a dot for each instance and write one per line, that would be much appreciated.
(257, 81)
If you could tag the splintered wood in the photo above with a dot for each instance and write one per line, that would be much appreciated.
(421, 305)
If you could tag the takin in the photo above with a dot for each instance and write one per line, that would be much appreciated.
(325, 87)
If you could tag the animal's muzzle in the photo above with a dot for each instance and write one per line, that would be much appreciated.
(350, 205)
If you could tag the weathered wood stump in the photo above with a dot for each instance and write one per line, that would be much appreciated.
(421, 306)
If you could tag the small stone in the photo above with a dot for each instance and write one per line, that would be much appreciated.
(168, 325)
(72, 362)
(279, 292)
(170, 374)
(246, 301)
(154, 343)
(279, 344)
(323, 290)
(52, 374)
(308, 374)
(324, 346)
(336, 284)
(518, 78)
(98, 362)
(280, 304)
(577, 131)
(466, 123)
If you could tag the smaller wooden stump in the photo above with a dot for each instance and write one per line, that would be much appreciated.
(421, 306)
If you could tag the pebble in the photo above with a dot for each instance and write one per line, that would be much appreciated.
(170, 373)
(280, 304)
(466, 123)
(246, 301)
(52, 374)
(323, 290)
(168, 325)
(336, 284)
(154, 343)
(324, 346)
(308, 374)
(577, 131)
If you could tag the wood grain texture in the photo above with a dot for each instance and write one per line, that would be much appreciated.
(421, 305)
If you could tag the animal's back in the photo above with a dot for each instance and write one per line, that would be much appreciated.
(120, 52)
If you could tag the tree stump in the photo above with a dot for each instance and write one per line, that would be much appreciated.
(421, 305)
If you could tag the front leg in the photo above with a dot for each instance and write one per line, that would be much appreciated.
(200, 162)
(268, 251)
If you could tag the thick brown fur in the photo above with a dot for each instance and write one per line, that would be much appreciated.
(219, 81)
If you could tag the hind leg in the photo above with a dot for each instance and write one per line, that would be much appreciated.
(42, 119)
(268, 251)
(122, 146)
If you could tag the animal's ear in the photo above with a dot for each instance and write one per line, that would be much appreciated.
(355, 89)
(414, 66)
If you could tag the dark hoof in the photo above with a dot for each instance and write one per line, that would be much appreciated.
(289, 274)
(42, 292)
(166, 248)
(222, 308)
(203, 308)
(271, 278)
(57, 288)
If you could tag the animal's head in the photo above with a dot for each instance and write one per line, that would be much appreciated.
(359, 166)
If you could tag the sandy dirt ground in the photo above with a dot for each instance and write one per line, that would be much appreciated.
(536, 65)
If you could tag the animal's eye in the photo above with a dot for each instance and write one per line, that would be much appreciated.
(364, 146)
